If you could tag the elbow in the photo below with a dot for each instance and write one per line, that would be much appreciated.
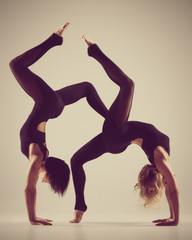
(173, 192)
(12, 64)
(76, 164)
(30, 190)
(127, 84)
(174, 196)
(172, 189)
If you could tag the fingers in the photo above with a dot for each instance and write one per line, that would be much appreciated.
(157, 221)
(47, 223)
(166, 224)
(42, 222)
(48, 220)
(161, 224)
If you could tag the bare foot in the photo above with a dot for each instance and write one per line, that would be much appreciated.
(61, 30)
(89, 43)
(78, 214)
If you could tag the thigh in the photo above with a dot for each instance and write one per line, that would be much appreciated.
(120, 109)
(73, 93)
(92, 150)
(32, 84)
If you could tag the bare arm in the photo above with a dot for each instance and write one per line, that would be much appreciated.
(172, 192)
(170, 204)
(30, 189)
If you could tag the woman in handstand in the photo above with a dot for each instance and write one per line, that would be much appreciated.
(49, 104)
(117, 134)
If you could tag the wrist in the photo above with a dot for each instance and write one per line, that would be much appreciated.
(176, 221)
(32, 218)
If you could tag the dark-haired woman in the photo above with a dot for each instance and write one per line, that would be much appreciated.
(49, 104)
(117, 134)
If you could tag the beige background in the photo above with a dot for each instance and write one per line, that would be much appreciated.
(151, 42)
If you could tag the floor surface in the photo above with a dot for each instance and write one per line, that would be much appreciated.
(94, 231)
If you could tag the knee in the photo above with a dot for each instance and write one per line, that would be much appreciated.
(72, 162)
(13, 64)
(89, 87)
(75, 162)
(128, 83)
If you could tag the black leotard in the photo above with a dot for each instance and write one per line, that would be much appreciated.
(114, 141)
(117, 132)
(48, 103)
(40, 113)
(117, 141)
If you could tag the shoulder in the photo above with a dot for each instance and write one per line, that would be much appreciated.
(161, 159)
(160, 153)
(35, 158)
(162, 163)
(35, 152)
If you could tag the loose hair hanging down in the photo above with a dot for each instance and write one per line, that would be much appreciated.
(58, 174)
(150, 185)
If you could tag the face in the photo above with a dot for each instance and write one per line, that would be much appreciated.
(45, 179)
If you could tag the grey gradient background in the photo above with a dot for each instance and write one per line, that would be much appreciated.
(151, 41)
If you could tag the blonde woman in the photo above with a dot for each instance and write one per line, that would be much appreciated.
(117, 134)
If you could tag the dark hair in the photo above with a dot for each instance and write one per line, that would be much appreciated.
(58, 174)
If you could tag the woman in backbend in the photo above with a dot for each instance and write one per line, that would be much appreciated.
(48, 104)
(117, 134)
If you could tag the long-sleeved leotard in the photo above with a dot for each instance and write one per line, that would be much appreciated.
(48, 103)
(117, 132)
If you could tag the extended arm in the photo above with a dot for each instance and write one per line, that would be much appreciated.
(30, 189)
(172, 192)
(170, 203)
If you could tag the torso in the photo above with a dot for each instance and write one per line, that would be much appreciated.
(143, 134)
(33, 130)
(34, 149)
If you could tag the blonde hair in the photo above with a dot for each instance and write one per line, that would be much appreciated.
(150, 185)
